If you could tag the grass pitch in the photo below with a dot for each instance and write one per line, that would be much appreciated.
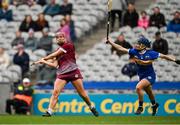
(17, 119)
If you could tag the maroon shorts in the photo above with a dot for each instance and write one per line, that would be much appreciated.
(71, 76)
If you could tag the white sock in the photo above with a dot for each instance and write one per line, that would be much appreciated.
(49, 111)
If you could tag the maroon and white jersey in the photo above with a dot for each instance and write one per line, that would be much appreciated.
(67, 62)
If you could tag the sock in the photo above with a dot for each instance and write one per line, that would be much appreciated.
(49, 111)
(153, 102)
(90, 106)
(140, 103)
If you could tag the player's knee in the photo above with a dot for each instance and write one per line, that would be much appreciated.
(138, 89)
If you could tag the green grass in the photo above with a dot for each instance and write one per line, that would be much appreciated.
(15, 119)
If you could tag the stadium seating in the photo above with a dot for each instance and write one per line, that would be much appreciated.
(167, 7)
(87, 15)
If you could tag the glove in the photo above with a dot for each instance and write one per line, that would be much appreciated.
(177, 61)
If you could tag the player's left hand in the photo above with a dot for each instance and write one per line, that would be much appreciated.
(37, 62)
(177, 61)
(42, 60)
(138, 61)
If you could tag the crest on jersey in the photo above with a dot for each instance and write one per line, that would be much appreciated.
(149, 77)
(147, 57)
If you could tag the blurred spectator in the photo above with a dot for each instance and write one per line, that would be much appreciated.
(174, 25)
(6, 13)
(130, 69)
(65, 28)
(52, 9)
(131, 16)
(18, 2)
(41, 22)
(30, 2)
(3, 2)
(131, 1)
(21, 58)
(18, 40)
(41, 2)
(117, 7)
(160, 45)
(31, 42)
(0, 3)
(21, 2)
(66, 8)
(22, 98)
(121, 41)
(157, 19)
(70, 22)
(46, 74)
(27, 24)
(4, 58)
(143, 20)
(45, 41)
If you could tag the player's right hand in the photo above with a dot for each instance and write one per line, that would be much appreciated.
(107, 40)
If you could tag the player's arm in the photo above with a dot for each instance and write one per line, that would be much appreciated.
(167, 57)
(117, 47)
(170, 58)
(51, 63)
(53, 55)
(59, 52)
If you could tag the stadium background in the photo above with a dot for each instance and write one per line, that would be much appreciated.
(112, 92)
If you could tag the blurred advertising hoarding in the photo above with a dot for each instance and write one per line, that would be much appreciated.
(108, 104)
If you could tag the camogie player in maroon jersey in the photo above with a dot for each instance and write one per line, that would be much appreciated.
(67, 70)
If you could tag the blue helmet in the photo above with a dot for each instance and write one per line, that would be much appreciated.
(144, 41)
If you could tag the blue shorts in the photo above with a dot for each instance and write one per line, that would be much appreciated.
(151, 78)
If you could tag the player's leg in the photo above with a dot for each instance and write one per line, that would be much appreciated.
(78, 84)
(139, 90)
(149, 92)
(155, 105)
(58, 86)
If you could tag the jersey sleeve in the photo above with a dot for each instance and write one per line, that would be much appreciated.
(62, 49)
(154, 55)
(65, 48)
(132, 52)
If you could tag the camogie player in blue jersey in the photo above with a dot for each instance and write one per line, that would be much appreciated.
(144, 58)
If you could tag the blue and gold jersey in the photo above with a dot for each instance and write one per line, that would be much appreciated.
(144, 70)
